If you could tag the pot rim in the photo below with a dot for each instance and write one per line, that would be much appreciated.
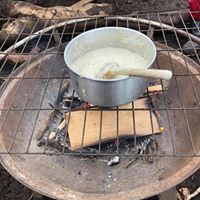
(105, 28)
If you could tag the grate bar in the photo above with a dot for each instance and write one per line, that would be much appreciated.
(29, 95)
(13, 101)
(168, 118)
(178, 87)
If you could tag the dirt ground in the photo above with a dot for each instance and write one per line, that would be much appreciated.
(10, 189)
(128, 6)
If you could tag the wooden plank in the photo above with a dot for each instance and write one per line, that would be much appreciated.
(109, 124)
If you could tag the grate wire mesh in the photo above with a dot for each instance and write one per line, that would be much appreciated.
(67, 30)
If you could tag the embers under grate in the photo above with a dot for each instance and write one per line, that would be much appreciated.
(55, 137)
(30, 96)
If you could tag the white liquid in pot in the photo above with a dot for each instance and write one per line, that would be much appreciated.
(90, 63)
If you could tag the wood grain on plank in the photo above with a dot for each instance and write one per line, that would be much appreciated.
(106, 129)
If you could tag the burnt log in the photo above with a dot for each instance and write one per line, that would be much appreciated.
(18, 29)
(31, 17)
(82, 8)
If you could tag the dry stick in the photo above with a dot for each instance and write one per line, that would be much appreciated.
(150, 32)
(52, 135)
(194, 194)
(56, 36)
(18, 58)
(184, 192)
(30, 197)
(62, 125)
(130, 162)
(156, 172)
(179, 197)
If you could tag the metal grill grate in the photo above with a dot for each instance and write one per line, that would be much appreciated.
(182, 117)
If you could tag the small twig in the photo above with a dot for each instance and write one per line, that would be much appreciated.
(30, 197)
(150, 32)
(179, 197)
(157, 114)
(195, 193)
(130, 162)
(2, 15)
(62, 125)
(56, 36)
(184, 192)
(21, 57)
(156, 172)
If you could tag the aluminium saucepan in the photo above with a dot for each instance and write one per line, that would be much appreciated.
(109, 92)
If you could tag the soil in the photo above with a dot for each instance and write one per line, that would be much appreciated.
(128, 6)
(11, 189)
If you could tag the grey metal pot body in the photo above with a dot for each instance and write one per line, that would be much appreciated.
(113, 92)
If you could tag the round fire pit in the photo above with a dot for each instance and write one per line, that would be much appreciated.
(67, 176)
